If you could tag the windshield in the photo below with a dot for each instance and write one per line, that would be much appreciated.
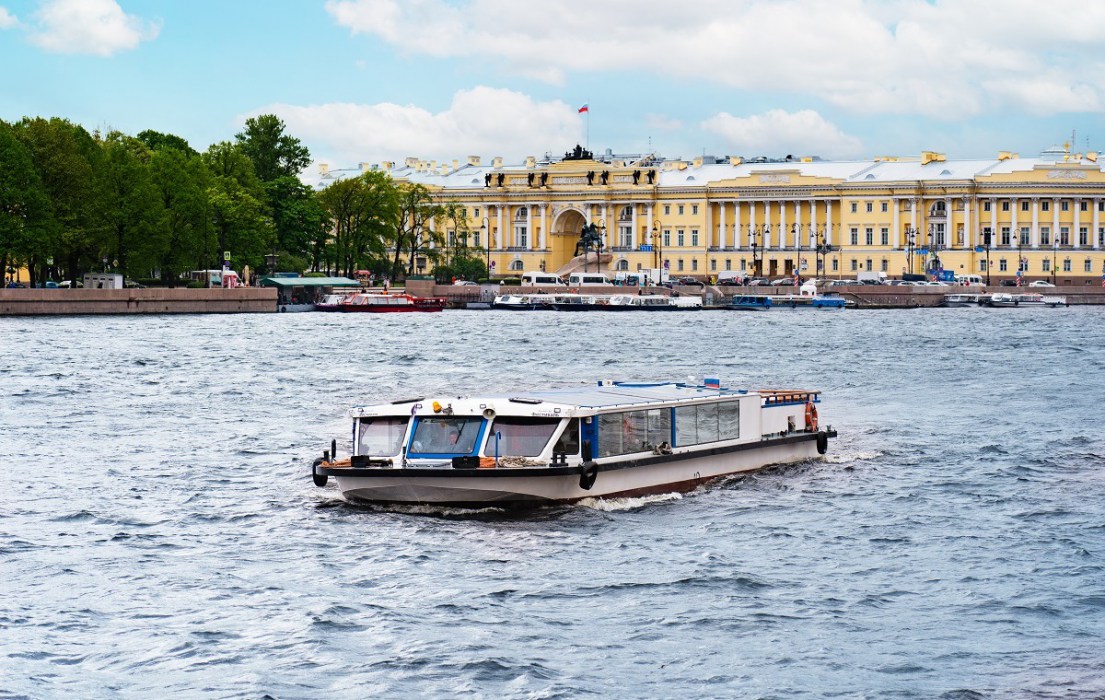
(523, 437)
(381, 436)
(446, 435)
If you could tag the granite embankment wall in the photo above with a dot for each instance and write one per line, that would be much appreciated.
(49, 302)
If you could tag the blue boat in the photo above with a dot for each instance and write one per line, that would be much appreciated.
(613, 439)
(750, 303)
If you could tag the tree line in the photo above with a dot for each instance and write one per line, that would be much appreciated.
(151, 207)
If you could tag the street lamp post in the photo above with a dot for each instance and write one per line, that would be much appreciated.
(910, 241)
(796, 232)
(1054, 260)
(598, 245)
(986, 240)
(752, 234)
(658, 251)
(1020, 259)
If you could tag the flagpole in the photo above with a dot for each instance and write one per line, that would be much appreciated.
(588, 103)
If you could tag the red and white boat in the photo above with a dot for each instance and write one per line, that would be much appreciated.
(387, 302)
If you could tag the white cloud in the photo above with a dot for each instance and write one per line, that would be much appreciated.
(801, 133)
(98, 27)
(662, 122)
(7, 19)
(947, 59)
(482, 120)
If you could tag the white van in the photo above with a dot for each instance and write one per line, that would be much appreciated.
(541, 279)
(970, 280)
(590, 279)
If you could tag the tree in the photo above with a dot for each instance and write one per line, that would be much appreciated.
(363, 211)
(156, 141)
(67, 160)
(298, 216)
(24, 205)
(274, 153)
(132, 220)
(412, 231)
(237, 218)
(180, 180)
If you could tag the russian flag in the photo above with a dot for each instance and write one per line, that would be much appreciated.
(583, 109)
(712, 383)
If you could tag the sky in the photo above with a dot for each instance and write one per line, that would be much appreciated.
(382, 80)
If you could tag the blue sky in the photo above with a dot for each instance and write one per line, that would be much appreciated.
(373, 80)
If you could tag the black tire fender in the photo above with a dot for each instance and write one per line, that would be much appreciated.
(588, 473)
(822, 442)
(319, 479)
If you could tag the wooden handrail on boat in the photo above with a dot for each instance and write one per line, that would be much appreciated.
(787, 396)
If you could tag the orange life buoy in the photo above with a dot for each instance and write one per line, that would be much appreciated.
(811, 416)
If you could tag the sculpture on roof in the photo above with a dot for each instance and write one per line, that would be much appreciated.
(579, 153)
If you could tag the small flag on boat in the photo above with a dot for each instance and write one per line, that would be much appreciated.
(583, 109)
(712, 383)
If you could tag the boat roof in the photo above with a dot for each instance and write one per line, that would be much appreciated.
(608, 394)
(308, 282)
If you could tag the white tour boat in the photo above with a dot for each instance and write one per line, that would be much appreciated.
(564, 445)
(1027, 300)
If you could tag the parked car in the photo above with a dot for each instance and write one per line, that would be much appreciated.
(758, 282)
(841, 283)
(1040, 283)
(465, 283)
(783, 282)
(1008, 283)
(690, 282)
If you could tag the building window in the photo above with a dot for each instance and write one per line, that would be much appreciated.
(744, 265)
(679, 240)
(694, 265)
(1088, 266)
(694, 209)
(1045, 205)
(1082, 205)
(680, 210)
(626, 213)
(1003, 266)
(869, 236)
(854, 209)
(855, 265)
(1005, 205)
(667, 209)
(476, 212)
(885, 265)
(667, 238)
(1005, 235)
(1024, 205)
(1083, 235)
(1064, 235)
(476, 239)
(713, 265)
(1066, 265)
(679, 264)
(870, 207)
(694, 237)
(836, 265)
(1064, 205)
(884, 234)
(521, 214)
(855, 236)
(1047, 265)
(982, 266)
(885, 207)
(986, 205)
(522, 236)
(1101, 237)
(516, 265)
(1045, 235)
(728, 264)
(1024, 239)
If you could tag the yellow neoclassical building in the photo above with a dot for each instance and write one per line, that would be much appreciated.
(1044, 216)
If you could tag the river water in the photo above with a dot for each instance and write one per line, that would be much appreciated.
(160, 535)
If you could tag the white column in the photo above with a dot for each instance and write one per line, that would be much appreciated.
(896, 231)
(544, 223)
(994, 240)
(949, 223)
(1013, 223)
(499, 231)
(738, 238)
(767, 225)
(1055, 220)
(798, 225)
(721, 237)
(1075, 240)
(1094, 237)
(752, 223)
(708, 229)
(782, 225)
(829, 222)
(813, 221)
(1035, 222)
(968, 216)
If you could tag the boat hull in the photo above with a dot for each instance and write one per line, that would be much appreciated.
(547, 485)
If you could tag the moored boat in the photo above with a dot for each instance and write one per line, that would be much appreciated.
(750, 303)
(1026, 300)
(522, 302)
(960, 300)
(388, 302)
(330, 302)
(564, 445)
(626, 302)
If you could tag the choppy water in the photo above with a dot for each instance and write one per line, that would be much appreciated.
(160, 536)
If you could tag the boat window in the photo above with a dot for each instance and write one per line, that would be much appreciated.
(633, 431)
(709, 422)
(381, 436)
(568, 442)
(445, 435)
(522, 436)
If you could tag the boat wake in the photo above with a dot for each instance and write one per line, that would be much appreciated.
(619, 504)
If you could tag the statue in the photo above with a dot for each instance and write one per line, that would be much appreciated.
(604, 176)
(590, 177)
(636, 177)
(487, 180)
(544, 179)
(501, 178)
(578, 153)
(590, 238)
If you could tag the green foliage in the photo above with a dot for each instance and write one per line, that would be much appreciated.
(363, 212)
(25, 212)
(156, 141)
(274, 153)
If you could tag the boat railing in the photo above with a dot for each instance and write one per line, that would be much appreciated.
(778, 397)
